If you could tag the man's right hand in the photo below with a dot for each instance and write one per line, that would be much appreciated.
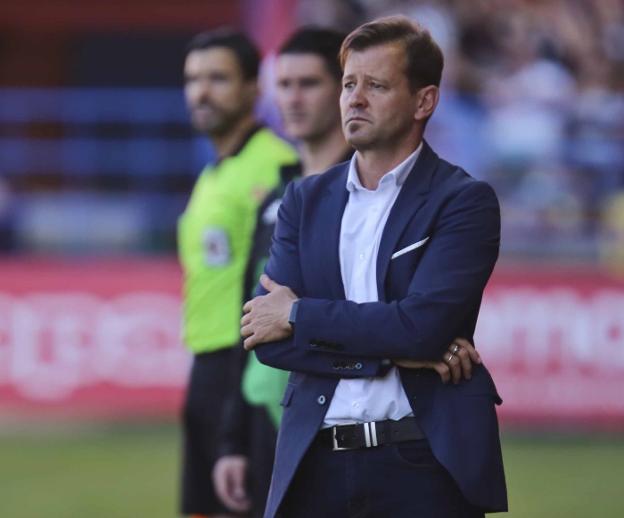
(456, 362)
(228, 476)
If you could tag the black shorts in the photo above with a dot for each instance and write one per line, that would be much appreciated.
(202, 413)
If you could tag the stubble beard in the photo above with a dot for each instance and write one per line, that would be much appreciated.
(221, 123)
(360, 141)
(315, 131)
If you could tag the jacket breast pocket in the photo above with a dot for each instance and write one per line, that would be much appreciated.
(408, 259)
(411, 248)
(408, 256)
(401, 269)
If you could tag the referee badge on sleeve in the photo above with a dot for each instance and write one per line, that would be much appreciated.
(216, 246)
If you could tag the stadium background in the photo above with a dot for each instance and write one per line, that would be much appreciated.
(97, 158)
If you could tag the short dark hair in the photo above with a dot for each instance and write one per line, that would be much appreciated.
(322, 42)
(424, 57)
(246, 52)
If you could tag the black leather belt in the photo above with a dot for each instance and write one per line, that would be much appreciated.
(369, 435)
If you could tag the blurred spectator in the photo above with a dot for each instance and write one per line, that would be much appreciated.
(307, 93)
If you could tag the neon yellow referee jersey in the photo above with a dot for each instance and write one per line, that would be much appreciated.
(214, 238)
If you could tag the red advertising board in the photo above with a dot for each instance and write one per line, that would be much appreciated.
(102, 338)
(553, 339)
(90, 338)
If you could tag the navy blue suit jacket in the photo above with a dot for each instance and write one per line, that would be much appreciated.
(427, 296)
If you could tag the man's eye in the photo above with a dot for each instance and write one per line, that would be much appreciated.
(348, 86)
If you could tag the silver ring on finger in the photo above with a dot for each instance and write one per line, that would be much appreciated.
(450, 357)
(455, 349)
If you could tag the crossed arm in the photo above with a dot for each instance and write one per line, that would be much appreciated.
(269, 323)
(445, 288)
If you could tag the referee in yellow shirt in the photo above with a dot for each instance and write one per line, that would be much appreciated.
(214, 237)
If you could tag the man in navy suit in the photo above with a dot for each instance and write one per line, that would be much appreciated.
(375, 266)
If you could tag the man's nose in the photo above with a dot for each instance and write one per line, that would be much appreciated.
(357, 98)
(293, 96)
(201, 91)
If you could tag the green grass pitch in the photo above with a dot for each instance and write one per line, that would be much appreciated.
(132, 471)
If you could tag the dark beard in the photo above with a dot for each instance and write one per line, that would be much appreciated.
(222, 123)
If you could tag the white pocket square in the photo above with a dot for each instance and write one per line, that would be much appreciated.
(410, 248)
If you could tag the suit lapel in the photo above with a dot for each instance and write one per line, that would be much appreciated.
(411, 198)
(332, 209)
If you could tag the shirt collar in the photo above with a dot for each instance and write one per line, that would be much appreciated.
(398, 173)
(241, 145)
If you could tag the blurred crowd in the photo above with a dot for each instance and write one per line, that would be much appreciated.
(535, 105)
(533, 102)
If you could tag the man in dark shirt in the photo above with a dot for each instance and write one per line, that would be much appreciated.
(214, 238)
(308, 89)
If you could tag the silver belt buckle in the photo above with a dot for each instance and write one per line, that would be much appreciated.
(335, 446)
(370, 436)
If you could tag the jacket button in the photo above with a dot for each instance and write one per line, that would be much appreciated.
(320, 400)
(358, 365)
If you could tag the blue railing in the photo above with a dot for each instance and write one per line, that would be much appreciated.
(156, 138)
(92, 105)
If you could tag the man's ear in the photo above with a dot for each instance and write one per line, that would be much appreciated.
(426, 101)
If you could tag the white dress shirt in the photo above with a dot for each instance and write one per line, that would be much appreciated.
(363, 222)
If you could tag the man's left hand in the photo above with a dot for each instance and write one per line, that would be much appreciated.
(266, 316)
(455, 364)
